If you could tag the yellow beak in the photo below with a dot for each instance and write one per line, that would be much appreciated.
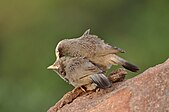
(54, 66)
(51, 67)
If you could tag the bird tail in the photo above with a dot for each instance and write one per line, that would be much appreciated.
(120, 61)
(101, 80)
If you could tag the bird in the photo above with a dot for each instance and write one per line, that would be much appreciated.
(94, 49)
(80, 72)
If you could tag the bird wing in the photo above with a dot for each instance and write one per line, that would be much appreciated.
(101, 48)
(96, 75)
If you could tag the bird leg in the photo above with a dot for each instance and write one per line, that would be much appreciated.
(117, 75)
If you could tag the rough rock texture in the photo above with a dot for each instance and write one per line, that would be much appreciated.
(147, 92)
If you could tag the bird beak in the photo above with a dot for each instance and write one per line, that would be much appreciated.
(51, 67)
(56, 65)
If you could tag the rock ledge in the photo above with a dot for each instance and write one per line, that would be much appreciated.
(147, 92)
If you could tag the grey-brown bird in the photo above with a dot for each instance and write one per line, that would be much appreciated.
(79, 72)
(94, 49)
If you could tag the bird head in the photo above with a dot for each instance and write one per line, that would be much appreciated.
(61, 48)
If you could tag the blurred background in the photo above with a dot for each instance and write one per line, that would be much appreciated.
(30, 30)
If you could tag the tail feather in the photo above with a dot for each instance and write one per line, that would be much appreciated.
(101, 80)
(130, 67)
(118, 60)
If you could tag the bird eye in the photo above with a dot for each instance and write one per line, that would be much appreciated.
(63, 73)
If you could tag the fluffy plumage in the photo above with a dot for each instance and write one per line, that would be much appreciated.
(79, 72)
(94, 49)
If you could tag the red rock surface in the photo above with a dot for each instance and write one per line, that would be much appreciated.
(147, 92)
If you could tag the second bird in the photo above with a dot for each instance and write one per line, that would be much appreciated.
(80, 72)
(94, 49)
